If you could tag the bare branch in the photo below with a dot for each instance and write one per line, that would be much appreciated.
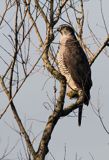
(22, 38)
(103, 18)
(99, 51)
(52, 121)
(42, 12)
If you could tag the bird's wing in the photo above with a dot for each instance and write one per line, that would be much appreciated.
(77, 64)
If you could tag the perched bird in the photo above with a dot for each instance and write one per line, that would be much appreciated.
(73, 64)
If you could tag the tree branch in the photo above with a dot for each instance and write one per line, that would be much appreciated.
(18, 120)
(99, 51)
(52, 121)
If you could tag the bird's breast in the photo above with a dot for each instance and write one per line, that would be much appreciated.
(64, 70)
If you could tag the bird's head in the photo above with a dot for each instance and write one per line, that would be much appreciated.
(65, 29)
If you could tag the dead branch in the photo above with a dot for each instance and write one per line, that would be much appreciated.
(50, 16)
(99, 50)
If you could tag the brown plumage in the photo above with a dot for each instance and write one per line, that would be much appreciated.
(73, 64)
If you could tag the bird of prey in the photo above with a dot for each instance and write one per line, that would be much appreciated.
(73, 64)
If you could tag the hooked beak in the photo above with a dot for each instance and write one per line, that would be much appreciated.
(59, 29)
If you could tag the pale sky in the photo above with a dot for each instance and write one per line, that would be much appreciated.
(90, 137)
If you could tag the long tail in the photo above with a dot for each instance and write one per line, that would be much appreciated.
(80, 114)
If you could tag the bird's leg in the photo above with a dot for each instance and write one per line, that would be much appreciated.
(72, 94)
(81, 97)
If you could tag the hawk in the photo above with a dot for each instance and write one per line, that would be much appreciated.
(73, 64)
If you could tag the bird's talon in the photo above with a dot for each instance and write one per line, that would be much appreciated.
(72, 94)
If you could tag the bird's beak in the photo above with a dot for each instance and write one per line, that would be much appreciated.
(59, 29)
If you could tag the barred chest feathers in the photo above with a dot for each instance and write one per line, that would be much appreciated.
(61, 64)
(64, 71)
